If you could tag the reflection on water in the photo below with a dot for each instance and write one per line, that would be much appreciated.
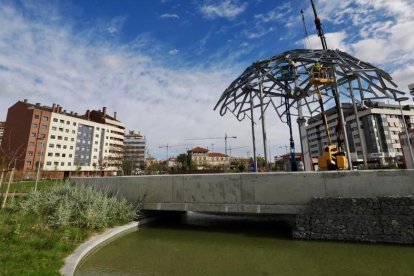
(201, 244)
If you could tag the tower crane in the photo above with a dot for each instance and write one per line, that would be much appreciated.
(213, 138)
(167, 146)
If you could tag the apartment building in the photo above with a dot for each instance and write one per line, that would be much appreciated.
(135, 147)
(1, 130)
(408, 160)
(380, 126)
(63, 142)
(203, 159)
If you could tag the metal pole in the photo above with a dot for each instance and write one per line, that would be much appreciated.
(407, 135)
(263, 123)
(343, 123)
(38, 165)
(225, 143)
(307, 162)
(253, 134)
(364, 154)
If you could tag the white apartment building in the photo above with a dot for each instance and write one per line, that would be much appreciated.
(135, 146)
(90, 144)
(380, 127)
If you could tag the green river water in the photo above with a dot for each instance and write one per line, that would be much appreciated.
(200, 244)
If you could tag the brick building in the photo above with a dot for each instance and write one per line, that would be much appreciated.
(64, 143)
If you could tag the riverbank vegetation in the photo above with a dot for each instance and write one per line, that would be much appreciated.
(37, 232)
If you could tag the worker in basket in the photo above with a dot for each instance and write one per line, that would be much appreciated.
(317, 70)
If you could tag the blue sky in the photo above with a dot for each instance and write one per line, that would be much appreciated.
(162, 64)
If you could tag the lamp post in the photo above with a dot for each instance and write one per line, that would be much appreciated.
(38, 164)
(399, 100)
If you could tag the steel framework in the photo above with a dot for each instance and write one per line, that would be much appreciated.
(265, 85)
(372, 83)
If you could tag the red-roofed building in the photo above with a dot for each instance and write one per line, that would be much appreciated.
(205, 160)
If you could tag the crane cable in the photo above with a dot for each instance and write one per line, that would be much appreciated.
(306, 30)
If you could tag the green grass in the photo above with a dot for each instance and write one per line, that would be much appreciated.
(38, 232)
(29, 247)
(27, 186)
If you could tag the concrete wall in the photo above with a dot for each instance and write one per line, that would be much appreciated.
(277, 193)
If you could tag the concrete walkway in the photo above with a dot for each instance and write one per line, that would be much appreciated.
(88, 247)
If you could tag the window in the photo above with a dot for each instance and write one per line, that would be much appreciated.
(30, 153)
(74, 124)
(67, 122)
(58, 146)
(71, 147)
(55, 120)
(36, 116)
(70, 155)
(52, 137)
(62, 163)
(50, 154)
(28, 163)
(62, 121)
(31, 144)
(57, 154)
(44, 127)
(67, 130)
(72, 139)
(45, 118)
(51, 145)
(59, 137)
(34, 125)
(33, 134)
(96, 142)
(61, 129)
(54, 128)
(56, 163)
(73, 132)
(97, 135)
(64, 146)
(48, 163)
(66, 138)
(95, 150)
(69, 163)
(63, 154)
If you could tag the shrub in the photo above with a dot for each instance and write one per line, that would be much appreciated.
(78, 206)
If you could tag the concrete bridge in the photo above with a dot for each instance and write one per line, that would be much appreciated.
(264, 193)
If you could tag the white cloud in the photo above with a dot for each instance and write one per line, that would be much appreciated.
(226, 9)
(170, 15)
(257, 32)
(50, 63)
(115, 25)
(173, 51)
(334, 40)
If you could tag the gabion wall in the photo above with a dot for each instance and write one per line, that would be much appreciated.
(382, 219)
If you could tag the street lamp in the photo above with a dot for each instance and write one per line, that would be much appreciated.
(399, 100)
(38, 164)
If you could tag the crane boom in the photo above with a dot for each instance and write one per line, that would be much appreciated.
(318, 25)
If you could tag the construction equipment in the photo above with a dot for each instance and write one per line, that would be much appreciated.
(333, 157)
(213, 138)
(167, 146)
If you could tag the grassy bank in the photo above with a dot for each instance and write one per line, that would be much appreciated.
(27, 186)
(38, 232)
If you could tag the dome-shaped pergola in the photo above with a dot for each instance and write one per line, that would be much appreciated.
(288, 84)
(368, 81)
